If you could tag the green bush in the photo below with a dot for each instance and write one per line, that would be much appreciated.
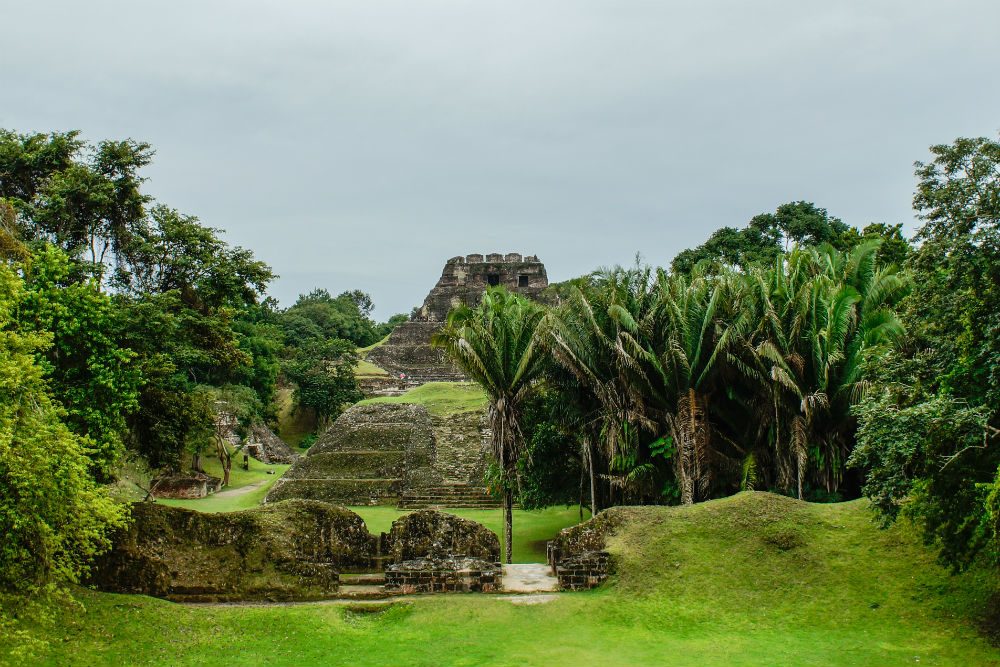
(53, 516)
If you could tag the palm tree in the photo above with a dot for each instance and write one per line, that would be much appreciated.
(820, 312)
(695, 334)
(601, 338)
(496, 345)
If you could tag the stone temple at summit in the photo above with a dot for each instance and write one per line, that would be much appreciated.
(408, 351)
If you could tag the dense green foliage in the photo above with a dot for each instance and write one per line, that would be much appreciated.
(53, 515)
(707, 383)
(95, 380)
(141, 324)
(928, 441)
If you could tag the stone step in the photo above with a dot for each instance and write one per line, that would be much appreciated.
(350, 464)
(529, 578)
(362, 592)
(345, 491)
(362, 579)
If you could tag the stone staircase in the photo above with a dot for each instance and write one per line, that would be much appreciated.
(456, 495)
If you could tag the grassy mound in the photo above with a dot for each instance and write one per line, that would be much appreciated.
(750, 580)
(440, 398)
(365, 368)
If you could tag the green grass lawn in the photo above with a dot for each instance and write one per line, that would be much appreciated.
(749, 580)
(532, 528)
(440, 398)
(238, 479)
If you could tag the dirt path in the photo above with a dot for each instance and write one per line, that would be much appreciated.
(242, 491)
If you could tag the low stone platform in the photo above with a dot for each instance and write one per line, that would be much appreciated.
(185, 486)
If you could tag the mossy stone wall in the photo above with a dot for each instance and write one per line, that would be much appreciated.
(293, 550)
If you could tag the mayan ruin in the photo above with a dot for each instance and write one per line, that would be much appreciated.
(408, 353)
(285, 381)
(402, 453)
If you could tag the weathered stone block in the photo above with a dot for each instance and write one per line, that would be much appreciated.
(287, 551)
(577, 555)
(583, 571)
(268, 447)
(432, 533)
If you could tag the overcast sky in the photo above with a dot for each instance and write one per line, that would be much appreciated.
(358, 145)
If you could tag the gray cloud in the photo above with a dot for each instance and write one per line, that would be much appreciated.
(360, 144)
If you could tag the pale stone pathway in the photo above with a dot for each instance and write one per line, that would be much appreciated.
(241, 491)
(529, 578)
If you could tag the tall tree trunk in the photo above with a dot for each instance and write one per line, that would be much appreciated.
(224, 458)
(691, 434)
(508, 524)
(802, 461)
(593, 478)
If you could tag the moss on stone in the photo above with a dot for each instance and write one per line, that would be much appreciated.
(338, 491)
(437, 534)
(285, 551)
(350, 465)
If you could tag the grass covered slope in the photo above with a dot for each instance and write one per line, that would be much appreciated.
(754, 579)
(440, 398)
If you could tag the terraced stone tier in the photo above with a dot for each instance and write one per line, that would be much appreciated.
(380, 426)
(459, 496)
(370, 464)
(408, 352)
(367, 457)
(368, 491)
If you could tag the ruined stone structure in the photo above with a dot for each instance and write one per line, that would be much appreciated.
(408, 351)
(294, 550)
(578, 555)
(262, 444)
(259, 441)
(444, 575)
(439, 535)
(190, 485)
(464, 280)
(288, 551)
(387, 452)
